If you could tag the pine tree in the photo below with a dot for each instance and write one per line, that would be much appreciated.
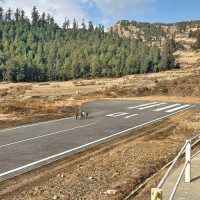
(65, 24)
(9, 14)
(83, 24)
(1, 13)
(43, 20)
(75, 27)
(17, 15)
(35, 16)
(22, 16)
(90, 26)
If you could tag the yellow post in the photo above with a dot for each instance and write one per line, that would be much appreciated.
(156, 194)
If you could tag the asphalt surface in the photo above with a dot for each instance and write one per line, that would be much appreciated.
(28, 147)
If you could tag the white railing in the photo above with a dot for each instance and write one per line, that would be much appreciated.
(157, 193)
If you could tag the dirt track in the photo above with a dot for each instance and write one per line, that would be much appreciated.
(121, 164)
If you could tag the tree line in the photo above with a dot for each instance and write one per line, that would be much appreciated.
(39, 50)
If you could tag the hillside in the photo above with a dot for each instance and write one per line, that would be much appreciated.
(156, 32)
(185, 34)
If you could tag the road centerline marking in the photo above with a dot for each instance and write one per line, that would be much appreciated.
(130, 116)
(159, 104)
(146, 104)
(117, 114)
(34, 138)
(88, 144)
(178, 108)
(40, 123)
(113, 114)
(165, 108)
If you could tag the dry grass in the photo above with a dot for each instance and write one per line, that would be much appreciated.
(33, 107)
(54, 90)
(15, 113)
(183, 87)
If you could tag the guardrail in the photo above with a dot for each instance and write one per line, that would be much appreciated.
(157, 193)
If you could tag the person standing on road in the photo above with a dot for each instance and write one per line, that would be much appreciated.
(83, 114)
(87, 114)
(76, 115)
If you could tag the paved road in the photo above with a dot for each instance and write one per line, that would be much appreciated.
(27, 147)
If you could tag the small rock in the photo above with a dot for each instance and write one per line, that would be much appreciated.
(115, 174)
(62, 176)
(113, 192)
(34, 193)
(36, 188)
(55, 197)
(91, 178)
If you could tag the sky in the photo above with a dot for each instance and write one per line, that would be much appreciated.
(108, 12)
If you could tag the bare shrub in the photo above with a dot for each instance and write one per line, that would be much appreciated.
(142, 91)
(3, 92)
(12, 107)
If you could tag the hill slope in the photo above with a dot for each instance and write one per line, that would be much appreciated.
(157, 33)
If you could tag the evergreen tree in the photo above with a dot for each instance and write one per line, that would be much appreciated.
(22, 16)
(83, 24)
(75, 27)
(9, 14)
(1, 13)
(90, 26)
(35, 16)
(17, 15)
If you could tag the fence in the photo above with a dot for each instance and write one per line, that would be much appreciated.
(157, 193)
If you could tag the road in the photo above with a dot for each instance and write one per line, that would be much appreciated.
(27, 147)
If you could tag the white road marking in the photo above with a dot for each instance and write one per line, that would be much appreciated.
(152, 106)
(178, 108)
(5, 145)
(130, 116)
(88, 144)
(10, 129)
(116, 114)
(113, 114)
(142, 105)
(165, 108)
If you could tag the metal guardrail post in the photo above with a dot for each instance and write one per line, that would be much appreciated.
(188, 159)
(156, 194)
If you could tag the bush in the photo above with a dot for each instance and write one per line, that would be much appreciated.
(143, 91)
(3, 92)
(164, 90)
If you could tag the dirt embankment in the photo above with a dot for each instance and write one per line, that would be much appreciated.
(121, 164)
